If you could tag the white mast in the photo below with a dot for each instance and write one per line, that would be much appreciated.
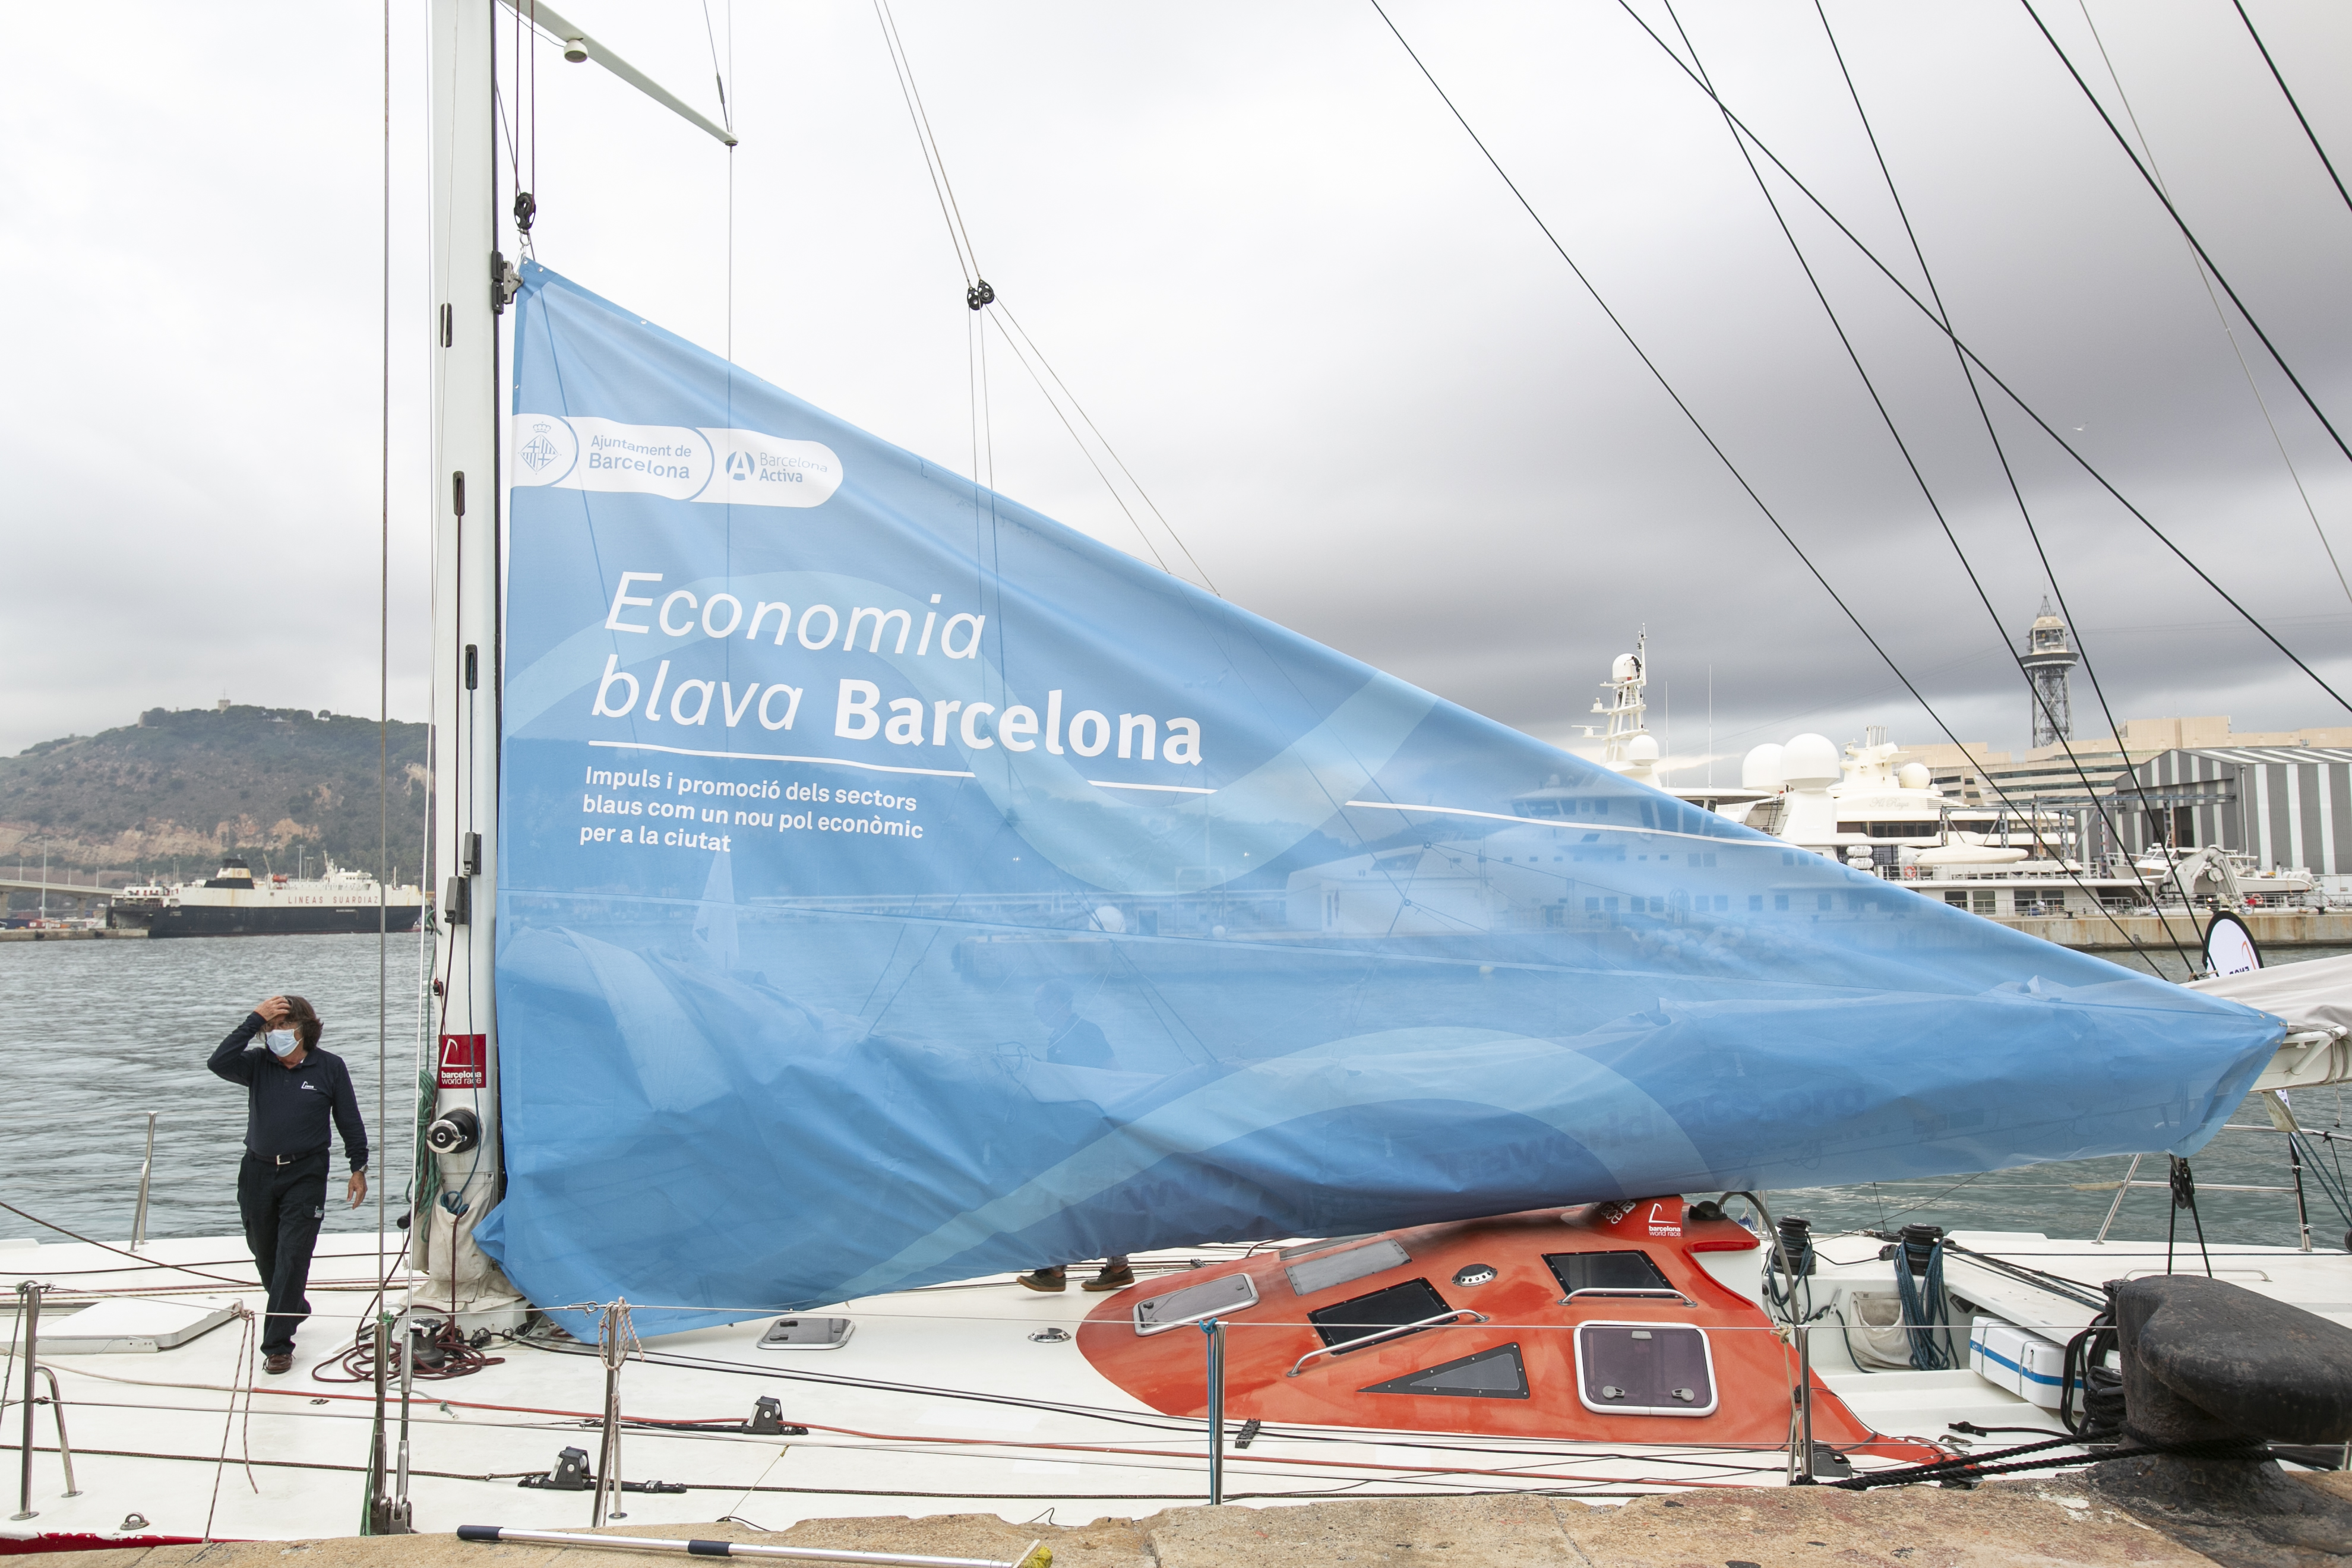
(467, 300)
(472, 284)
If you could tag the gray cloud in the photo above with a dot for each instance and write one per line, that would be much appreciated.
(1347, 365)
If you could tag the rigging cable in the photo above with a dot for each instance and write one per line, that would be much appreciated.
(377, 1454)
(2059, 440)
(2214, 299)
(967, 261)
(1724, 457)
(2009, 474)
(979, 294)
(2324, 162)
(1006, 311)
(1157, 559)
(727, 119)
(1925, 491)
(2188, 234)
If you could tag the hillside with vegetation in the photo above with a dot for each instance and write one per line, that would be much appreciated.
(285, 786)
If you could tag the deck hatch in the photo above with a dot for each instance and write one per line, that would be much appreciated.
(1497, 1374)
(808, 1333)
(1391, 1308)
(1328, 1242)
(1609, 1273)
(1210, 1299)
(1341, 1268)
(1645, 1369)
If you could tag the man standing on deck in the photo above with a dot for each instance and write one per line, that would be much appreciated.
(292, 1089)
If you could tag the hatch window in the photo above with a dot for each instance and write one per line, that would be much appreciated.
(1210, 1299)
(1645, 1369)
(1609, 1274)
(1497, 1374)
(1346, 1322)
(1340, 1268)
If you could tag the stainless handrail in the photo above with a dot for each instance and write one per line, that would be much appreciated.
(58, 1410)
(1442, 1318)
(146, 1170)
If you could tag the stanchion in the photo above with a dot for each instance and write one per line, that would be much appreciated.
(611, 1345)
(1805, 1400)
(1214, 1331)
(399, 1503)
(28, 1319)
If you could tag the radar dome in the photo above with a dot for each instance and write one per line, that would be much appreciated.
(1809, 762)
(1642, 750)
(1761, 769)
(1912, 775)
(1627, 667)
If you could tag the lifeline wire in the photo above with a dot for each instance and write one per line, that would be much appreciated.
(2057, 439)
(1724, 457)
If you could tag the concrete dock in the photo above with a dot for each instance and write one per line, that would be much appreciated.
(2098, 933)
(2002, 1524)
(34, 935)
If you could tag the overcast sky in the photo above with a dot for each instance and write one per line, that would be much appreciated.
(1367, 393)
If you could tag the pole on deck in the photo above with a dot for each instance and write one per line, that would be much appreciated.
(1214, 1331)
(146, 1170)
(28, 1319)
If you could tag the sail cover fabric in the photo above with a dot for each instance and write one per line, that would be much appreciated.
(897, 886)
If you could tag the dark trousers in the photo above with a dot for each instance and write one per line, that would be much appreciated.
(282, 1207)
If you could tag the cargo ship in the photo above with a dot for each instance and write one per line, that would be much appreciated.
(232, 901)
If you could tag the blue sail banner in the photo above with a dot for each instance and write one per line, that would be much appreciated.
(897, 886)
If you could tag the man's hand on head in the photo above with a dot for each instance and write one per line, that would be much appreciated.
(272, 1011)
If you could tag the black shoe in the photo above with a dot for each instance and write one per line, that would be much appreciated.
(1045, 1280)
(1111, 1277)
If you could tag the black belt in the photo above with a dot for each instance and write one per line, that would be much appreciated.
(287, 1159)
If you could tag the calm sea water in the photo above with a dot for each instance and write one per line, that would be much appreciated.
(96, 1035)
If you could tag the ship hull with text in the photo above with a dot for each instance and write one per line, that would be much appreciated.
(233, 901)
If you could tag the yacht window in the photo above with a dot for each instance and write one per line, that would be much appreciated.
(1393, 1308)
(1612, 1273)
(1340, 1268)
(1497, 1374)
(1645, 1369)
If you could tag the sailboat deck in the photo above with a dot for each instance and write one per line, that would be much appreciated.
(941, 1401)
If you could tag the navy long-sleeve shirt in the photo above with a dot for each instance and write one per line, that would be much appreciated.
(287, 1108)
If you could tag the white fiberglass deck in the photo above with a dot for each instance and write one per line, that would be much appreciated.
(941, 1402)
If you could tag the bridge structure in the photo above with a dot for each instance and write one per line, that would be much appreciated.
(81, 894)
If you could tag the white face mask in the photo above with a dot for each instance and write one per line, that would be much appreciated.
(282, 1042)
